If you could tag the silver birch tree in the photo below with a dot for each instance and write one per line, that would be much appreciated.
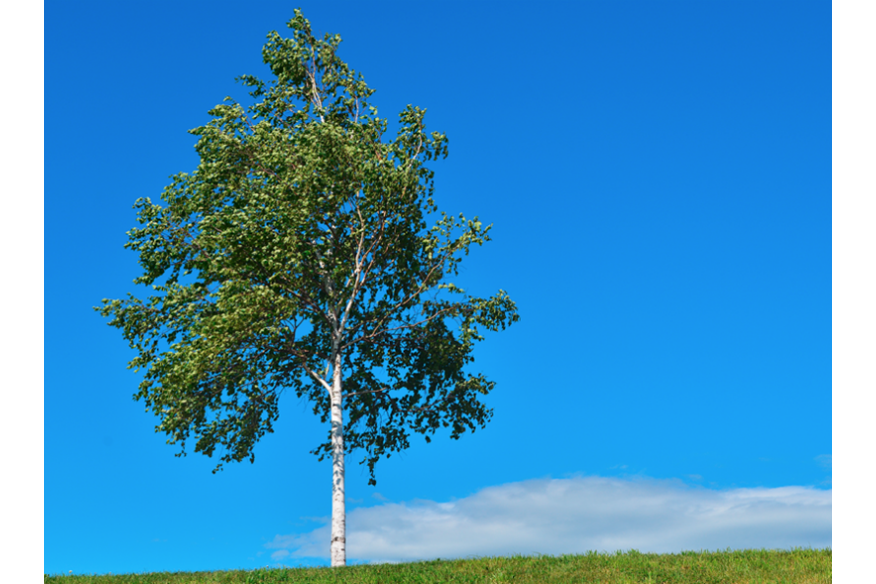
(297, 257)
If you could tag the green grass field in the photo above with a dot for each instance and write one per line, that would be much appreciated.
(798, 566)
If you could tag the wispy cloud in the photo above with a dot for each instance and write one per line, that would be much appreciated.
(826, 461)
(564, 516)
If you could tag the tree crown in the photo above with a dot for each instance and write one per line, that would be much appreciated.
(300, 237)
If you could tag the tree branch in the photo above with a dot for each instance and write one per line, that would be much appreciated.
(346, 395)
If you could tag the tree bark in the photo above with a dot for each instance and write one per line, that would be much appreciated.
(339, 514)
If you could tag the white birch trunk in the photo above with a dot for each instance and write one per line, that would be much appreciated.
(339, 513)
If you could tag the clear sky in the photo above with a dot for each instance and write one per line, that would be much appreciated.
(659, 179)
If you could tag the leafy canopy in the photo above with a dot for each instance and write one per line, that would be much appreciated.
(302, 237)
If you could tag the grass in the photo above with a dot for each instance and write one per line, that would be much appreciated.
(797, 566)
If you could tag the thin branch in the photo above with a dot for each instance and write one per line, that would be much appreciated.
(377, 333)
(309, 371)
(346, 395)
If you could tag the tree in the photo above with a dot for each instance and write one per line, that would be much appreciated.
(297, 256)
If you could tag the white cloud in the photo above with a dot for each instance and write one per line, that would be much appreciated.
(566, 516)
(825, 460)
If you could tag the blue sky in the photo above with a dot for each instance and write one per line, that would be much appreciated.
(659, 180)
